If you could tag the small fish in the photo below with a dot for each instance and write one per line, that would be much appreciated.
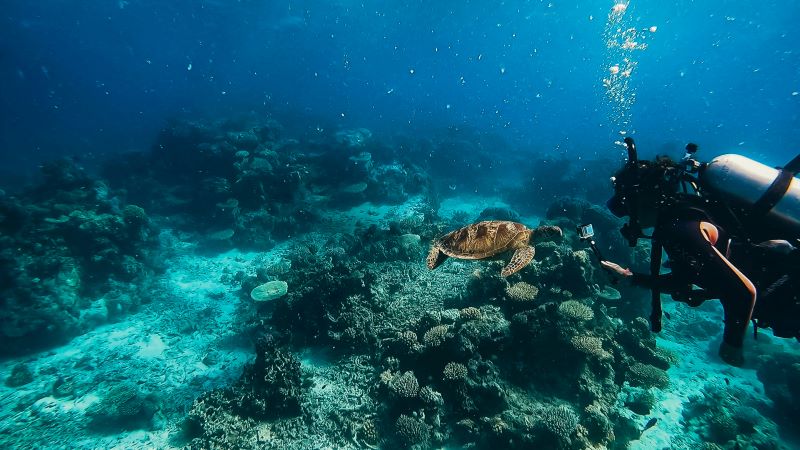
(650, 424)
(666, 314)
(727, 381)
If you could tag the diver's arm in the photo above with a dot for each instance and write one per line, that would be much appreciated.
(666, 283)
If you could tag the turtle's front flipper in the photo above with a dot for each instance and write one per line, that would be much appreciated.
(435, 257)
(519, 259)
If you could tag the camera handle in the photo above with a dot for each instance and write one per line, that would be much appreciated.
(595, 250)
(586, 234)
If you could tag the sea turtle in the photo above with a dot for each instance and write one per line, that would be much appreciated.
(484, 239)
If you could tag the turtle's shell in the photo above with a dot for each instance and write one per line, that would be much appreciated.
(482, 239)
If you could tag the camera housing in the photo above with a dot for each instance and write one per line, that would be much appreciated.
(585, 232)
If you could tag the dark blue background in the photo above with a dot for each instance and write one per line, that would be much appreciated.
(91, 78)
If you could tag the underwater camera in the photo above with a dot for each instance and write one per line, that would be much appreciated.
(586, 234)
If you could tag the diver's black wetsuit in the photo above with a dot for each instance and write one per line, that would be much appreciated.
(699, 253)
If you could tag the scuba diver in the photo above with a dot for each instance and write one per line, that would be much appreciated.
(730, 229)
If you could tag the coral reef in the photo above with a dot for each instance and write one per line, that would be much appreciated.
(331, 302)
(269, 388)
(357, 344)
(72, 255)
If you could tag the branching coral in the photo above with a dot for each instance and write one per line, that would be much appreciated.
(522, 292)
(470, 313)
(590, 345)
(576, 310)
(431, 397)
(559, 421)
(455, 371)
(411, 431)
(405, 385)
(436, 335)
(407, 339)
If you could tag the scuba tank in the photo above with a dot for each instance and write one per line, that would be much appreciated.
(768, 194)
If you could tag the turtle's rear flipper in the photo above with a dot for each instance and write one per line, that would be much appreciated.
(435, 257)
(519, 259)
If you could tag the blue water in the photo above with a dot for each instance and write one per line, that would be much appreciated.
(102, 77)
(162, 161)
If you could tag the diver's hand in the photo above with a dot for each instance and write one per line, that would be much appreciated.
(618, 273)
(616, 270)
(731, 355)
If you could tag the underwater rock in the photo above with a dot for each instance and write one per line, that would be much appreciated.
(211, 424)
(332, 291)
(724, 414)
(356, 188)
(246, 140)
(640, 343)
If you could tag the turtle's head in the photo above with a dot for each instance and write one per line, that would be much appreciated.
(546, 232)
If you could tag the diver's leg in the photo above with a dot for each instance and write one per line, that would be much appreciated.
(737, 294)
(713, 271)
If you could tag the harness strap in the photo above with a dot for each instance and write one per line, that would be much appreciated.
(777, 189)
(655, 292)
